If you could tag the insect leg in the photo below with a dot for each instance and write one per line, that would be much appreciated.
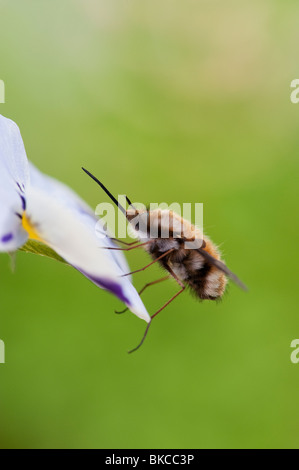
(169, 301)
(162, 308)
(148, 265)
(124, 243)
(145, 287)
(126, 249)
(173, 274)
(144, 336)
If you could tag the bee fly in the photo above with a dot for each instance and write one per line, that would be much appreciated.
(199, 268)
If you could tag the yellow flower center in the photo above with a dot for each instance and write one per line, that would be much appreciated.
(30, 229)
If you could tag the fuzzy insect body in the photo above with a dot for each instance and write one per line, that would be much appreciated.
(168, 248)
(180, 248)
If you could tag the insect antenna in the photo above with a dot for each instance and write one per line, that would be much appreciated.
(106, 191)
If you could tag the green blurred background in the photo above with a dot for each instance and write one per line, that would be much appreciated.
(166, 101)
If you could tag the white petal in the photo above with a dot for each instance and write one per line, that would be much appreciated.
(66, 224)
(68, 198)
(14, 175)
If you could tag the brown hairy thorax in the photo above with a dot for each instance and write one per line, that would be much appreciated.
(165, 230)
(180, 248)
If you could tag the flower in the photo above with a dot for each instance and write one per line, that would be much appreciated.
(36, 206)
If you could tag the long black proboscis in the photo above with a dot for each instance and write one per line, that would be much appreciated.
(106, 190)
